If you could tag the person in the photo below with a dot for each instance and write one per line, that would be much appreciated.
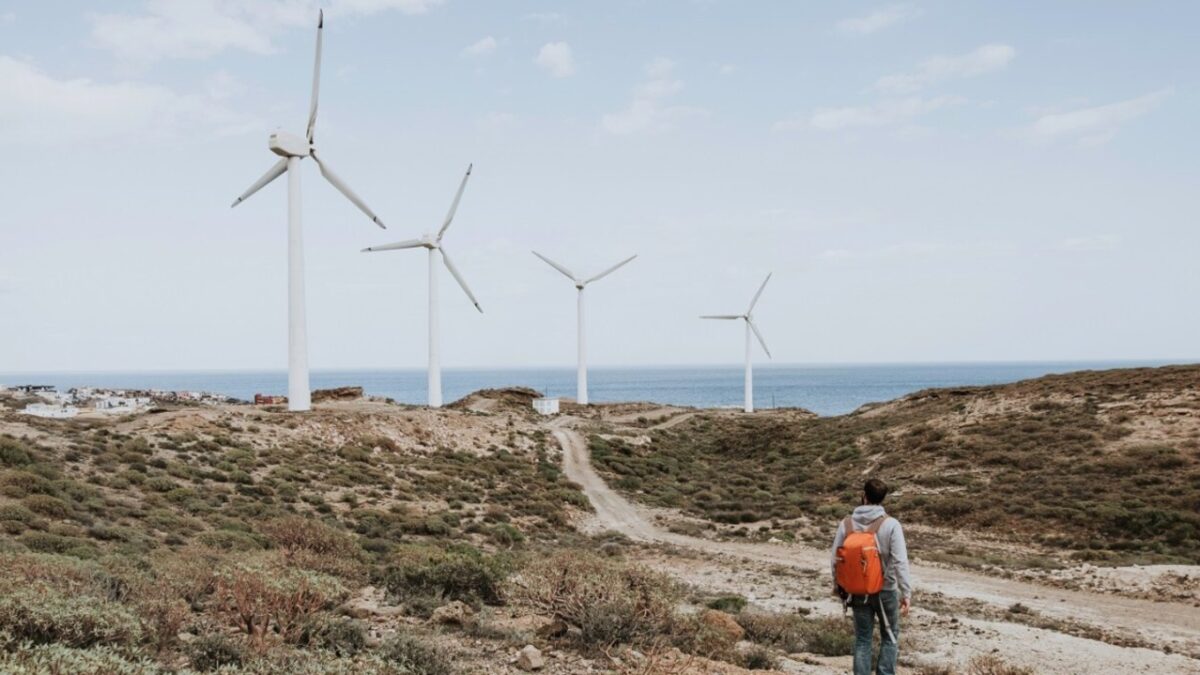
(894, 600)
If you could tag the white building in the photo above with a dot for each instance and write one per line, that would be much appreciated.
(546, 406)
(50, 410)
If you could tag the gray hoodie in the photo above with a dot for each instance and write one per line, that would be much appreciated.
(893, 552)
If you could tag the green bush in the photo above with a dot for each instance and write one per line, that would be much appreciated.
(339, 635)
(731, 604)
(214, 650)
(458, 573)
(41, 615)
(55, 659)
(13, 452)
(415, 657)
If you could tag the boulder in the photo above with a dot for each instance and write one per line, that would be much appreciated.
(530, 658)
(722, 623)
(456, 613)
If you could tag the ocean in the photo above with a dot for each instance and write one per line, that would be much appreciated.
(824, 389)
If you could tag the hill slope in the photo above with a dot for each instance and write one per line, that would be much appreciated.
(1104, 465)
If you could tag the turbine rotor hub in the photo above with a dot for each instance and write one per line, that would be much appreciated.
(289, 145)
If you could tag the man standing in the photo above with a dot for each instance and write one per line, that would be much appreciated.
(892, 601)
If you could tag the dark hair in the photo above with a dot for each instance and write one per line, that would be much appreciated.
(875, 490)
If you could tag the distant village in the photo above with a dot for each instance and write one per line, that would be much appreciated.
(94, 400)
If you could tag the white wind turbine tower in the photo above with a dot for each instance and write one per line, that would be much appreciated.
(291, 150)
(748, 317)
(436, 250)
(581, 387)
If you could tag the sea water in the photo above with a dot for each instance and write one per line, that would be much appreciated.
(824, 389)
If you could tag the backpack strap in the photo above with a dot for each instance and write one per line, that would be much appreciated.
(873, 528)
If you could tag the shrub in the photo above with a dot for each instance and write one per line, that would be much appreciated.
(731, 604)
(415, 657)
(459, 573)
(989, 664)
(13, 452)
(795, 633)
(39, 614)
(262, 596)
(609, 601)
(214, 650)
(228, 540)
(341, 636)
(758, 658)
(55, 659)
(51, 507)
(45, 542)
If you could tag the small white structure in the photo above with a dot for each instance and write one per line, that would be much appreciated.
(52, 411)
(546, 406)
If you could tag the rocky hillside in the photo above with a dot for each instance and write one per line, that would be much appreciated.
(1091, 466)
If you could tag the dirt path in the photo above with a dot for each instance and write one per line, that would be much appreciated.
(1169, 623)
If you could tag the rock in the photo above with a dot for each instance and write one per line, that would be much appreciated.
(530, 658)
(455, 613)
(555, 628)
(722, 623)
(337, 394)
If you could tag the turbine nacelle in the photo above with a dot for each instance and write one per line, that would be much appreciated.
(289, 145)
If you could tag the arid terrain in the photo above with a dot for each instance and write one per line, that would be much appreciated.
(1054, 527)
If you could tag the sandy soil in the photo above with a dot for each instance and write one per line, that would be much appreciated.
(1173, 626)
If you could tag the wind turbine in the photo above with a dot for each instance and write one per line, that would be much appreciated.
(748, 317)
(436, 250)
(581, 388)
(291, 150)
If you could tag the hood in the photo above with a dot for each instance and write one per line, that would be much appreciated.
(864, 515)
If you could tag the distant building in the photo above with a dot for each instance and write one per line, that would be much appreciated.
(546, 406)
(50, 410)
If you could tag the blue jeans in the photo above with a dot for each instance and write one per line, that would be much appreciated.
(865, 614)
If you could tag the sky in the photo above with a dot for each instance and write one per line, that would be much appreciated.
(927, 181)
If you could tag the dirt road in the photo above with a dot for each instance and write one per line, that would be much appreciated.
(1170, 623)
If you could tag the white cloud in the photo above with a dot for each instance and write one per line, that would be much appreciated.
(481, 47)
(985, 59)
(648, 111)
(1096, 125)
(555, 58)
(1097, 242)
(879, 19)
(36, 108)
(197, 29)
(883, 113)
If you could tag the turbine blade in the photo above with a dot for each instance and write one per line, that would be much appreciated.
(454, 206)
(758, 335)
(720, 316)
(274, 172)
(408, 243)
(458, 277)
(759, 293)
(345, 189)
(610, 270)
(316, 87)
(558, 267)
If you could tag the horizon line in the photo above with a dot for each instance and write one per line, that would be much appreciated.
(763, 366)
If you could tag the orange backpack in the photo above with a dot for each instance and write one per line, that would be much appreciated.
(859, 567)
